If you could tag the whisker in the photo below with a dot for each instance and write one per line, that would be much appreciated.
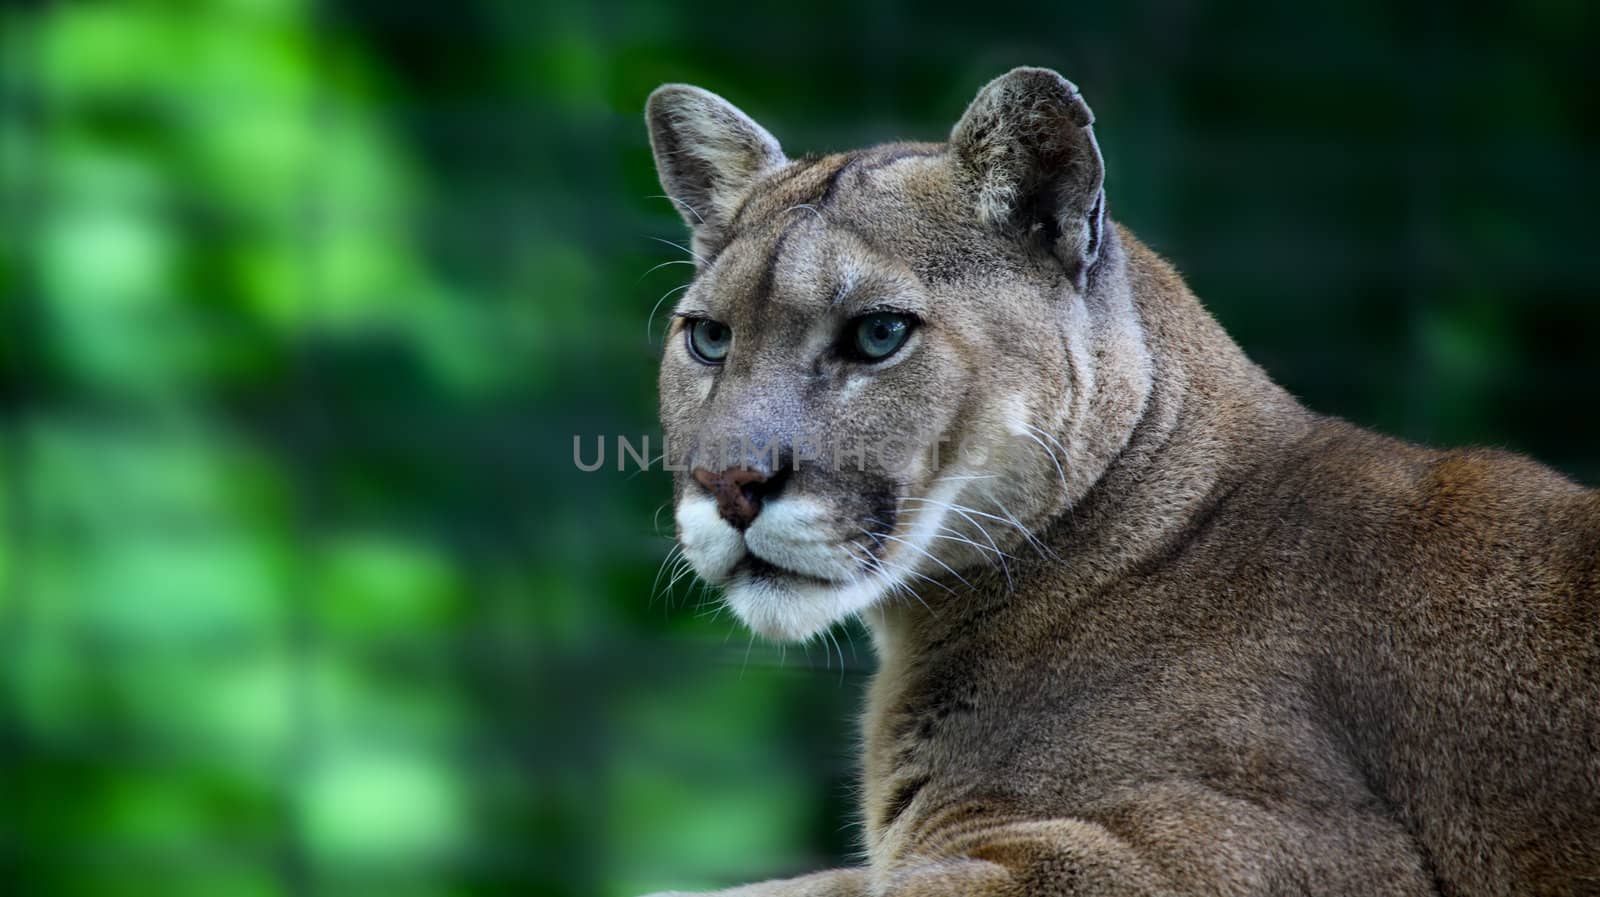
(697, 256)
(837, 647)
(673, 583)
(1033, 540)
(1050, 453)
(1011, 520)
(670, 558)
(655, 268)
(957, 537)
(920, 550)
(927, 579)
(809, 207)
(1046, 434)
(674, 199)
(649, 463)
(967, 514)
(747, 647)
(904, 589)
(657, 307)
(958, 509)
(887, 575)
(884, 569)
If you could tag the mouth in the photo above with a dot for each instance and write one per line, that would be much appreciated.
(787, 605)
(762, 570)
(789, 576)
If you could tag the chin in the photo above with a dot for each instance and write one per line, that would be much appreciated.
(792, 607)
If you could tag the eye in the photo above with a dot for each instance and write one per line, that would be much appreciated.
(709, 340)
(876, 336)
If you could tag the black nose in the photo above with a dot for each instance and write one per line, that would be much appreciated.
(739, 491)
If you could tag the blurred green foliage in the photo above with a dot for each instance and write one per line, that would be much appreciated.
(302, 304)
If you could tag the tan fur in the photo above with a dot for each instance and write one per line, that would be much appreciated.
(1232, 647)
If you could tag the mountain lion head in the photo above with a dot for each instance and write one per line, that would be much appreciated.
(893, 366)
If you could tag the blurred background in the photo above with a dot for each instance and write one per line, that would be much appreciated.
(302, 304)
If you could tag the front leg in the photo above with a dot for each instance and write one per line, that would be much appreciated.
(1016, 860)
(1019, 860)
(833, 883)
(1176, 840)
(1033, 859)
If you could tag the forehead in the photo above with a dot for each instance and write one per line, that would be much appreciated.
(896, 174)
(810, 230)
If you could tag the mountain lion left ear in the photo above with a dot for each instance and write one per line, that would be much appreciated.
(1028, 142)
(708, 155)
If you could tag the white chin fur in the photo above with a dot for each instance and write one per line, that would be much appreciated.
(791, 608)
(711, 545)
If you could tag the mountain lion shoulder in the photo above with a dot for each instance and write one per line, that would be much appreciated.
(1155, 628)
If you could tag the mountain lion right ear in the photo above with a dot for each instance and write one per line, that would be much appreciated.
(1028, 144)
(708, 153)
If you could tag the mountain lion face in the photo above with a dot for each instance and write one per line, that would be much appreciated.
(892, 365)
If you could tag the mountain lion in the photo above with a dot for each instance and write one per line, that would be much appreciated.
(1155, 628)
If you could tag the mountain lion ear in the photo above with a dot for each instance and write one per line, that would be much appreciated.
(1028, 143)
(708, 153)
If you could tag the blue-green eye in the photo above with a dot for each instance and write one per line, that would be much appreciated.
(709, 340)
(875, 337)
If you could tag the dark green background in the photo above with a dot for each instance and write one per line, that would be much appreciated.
(303, 305)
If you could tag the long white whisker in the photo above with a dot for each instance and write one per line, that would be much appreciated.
(954, 535)
(673, 583)
(963, 540)
(904, 589)
(747, 647)
(1046, 434)
(1011, 520)
(967, 514)
(669, 572)
(809, 207)
(1038, 546)
(925, 578)
(670, 558)
(879, 567)
(887, 568)
(680, 202)
(837, 647)
(655, 268)
(1050, 453)
(657, 307)
(697, 256)
(959, 509)
(648, 463)
(920, 550)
